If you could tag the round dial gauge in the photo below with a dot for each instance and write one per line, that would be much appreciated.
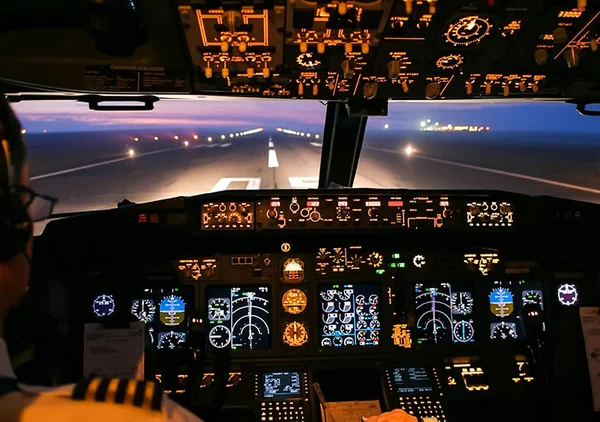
(567, 294)
(452, 61)
(504, 331)
(219, 336)
(219, 309)
(293, 270)
(295, 334)
(308, 61)
(463, 331)
(462, 303)
(143, 309)
(104, 305)
(294, 301)
(468, 30)
(170, 340)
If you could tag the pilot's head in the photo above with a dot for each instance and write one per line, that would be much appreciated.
(16, 228)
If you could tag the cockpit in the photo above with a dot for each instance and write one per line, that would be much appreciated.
(314, 211)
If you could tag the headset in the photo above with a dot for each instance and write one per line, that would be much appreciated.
(15, 223)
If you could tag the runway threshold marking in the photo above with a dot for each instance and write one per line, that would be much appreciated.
(495, 171)
(102, 163)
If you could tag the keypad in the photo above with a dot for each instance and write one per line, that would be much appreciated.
(423, 406)
(282, 411)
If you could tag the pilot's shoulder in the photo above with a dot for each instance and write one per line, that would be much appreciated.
(104, 398)
(147, 395)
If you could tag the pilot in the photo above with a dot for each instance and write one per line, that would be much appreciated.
(92, 399)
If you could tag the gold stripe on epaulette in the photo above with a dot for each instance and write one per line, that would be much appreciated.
(130, 392)
(111, 391)
(90, 393)
(148, 394)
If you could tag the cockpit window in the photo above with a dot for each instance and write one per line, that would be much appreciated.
(92, 160)
(525, 147)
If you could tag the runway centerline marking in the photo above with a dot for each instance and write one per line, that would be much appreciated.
(252, 183)
(271, 144)
(102, 163)
(273, 162)
(495, 171)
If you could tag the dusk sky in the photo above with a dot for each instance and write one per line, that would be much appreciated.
(70, 116)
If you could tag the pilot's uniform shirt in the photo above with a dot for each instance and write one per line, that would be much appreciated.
(105, 400)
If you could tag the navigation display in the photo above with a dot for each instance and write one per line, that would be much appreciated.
(506, 299)
(281, 385)
(410, 380)
(444, 313)
(349, 315)
(239, 317)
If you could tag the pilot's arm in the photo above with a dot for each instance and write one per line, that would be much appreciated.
(105, 400)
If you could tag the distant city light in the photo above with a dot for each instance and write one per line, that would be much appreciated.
(386, 126)
(231, 135)
(186, 143)
(44, 130)
(210, 139)
(428, 120)
(237, 134)
(136, 139)
(176, 137)
(156, 138)
(23, 131)
(408, 150)
(222, 136)
(131, 153)
(423, 124)
(317, 136)
(437, 123)
(196, 137)
(302, 134)
(308, 135)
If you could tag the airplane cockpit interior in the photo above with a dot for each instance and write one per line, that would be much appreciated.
(440, 279)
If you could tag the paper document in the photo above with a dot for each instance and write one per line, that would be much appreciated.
(114, 352)
(350, 411)
(590, 324)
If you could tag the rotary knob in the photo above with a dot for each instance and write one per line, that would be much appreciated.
(347, 69)
(370, 90)
(393, 69)
(432, 90)
(373, 212)
(315, 216)
(272, 213)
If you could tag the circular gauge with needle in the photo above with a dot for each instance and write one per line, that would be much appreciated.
(219, 336)
(295, 334)
(143, 309)
(449, 62)
(468, 30)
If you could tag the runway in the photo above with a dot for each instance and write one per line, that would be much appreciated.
(96, 171)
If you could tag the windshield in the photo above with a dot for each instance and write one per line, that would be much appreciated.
(92, 160)
(525, 147)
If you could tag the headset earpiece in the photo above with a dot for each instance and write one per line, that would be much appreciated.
(15, 224)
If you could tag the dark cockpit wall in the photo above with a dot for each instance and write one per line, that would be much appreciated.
(180, 257)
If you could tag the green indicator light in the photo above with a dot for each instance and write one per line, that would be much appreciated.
(393, 265)
(396, 256)
(380, 271)
(401, 265)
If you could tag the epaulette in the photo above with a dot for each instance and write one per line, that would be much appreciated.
(143, 394)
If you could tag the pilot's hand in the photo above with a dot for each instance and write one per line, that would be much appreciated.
(396, 415)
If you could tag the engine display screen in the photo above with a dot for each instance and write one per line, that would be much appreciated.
(410, 380)
(506, 299)
(349, 315)
(239, 317)
(444, 313)
(281, 385)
